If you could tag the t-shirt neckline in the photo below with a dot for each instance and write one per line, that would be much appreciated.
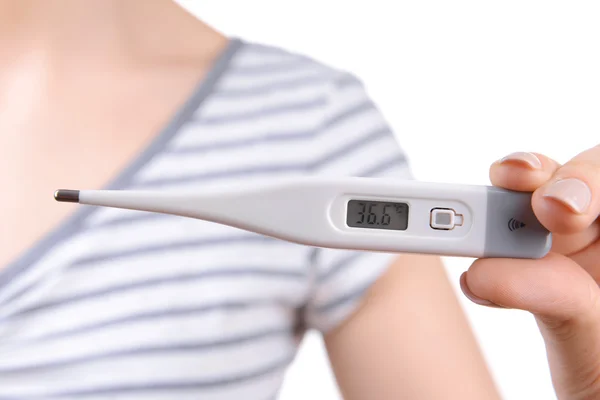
(70, 225)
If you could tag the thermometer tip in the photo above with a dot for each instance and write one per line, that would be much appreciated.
(68, 196)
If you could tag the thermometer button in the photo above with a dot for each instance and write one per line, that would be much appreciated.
(445, 219)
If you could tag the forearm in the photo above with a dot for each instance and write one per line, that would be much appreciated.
(410, 339)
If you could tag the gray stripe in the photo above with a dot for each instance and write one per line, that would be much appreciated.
(25, 289)
(278, 366)
(396, 161)
(196, 243)
(131, 217)
(275, 137)
(339, 266)
(265, 169)
(247, 116)
(273, 86)
(225, 272)
(262, 49)
(197, 346)
(180, 312)
(347, 80)
(244, 142)
(344, 299)
(293, 83)
(356, 110)
(69, 227)
(351, 147)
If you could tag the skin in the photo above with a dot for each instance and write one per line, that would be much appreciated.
(403, 342)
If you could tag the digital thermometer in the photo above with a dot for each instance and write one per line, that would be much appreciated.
(371, 214)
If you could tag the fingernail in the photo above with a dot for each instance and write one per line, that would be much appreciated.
(571, 192)
(477, 300)
(521, 157)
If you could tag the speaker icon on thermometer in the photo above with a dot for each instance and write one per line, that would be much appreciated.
(514, 224)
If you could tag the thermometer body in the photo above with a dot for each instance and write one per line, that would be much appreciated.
(359, 213)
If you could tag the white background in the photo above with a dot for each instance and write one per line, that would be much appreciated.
(462, 83)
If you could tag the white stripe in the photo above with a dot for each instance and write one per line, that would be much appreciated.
(289, 121)
(348, 130)
(181, 165)
(161, 232)
(364, 159)
(103, 215)
(398, 171)
(254, 57)
(226, 182)
(222, 107)
(209, 327)
(262, 388)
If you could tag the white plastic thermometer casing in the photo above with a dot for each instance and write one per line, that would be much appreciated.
(443, 219)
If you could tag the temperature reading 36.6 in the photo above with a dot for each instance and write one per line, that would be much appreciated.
(377, 215)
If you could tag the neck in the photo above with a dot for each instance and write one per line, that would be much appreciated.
(91, 30)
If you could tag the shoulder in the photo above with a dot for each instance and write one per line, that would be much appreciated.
(272, 86)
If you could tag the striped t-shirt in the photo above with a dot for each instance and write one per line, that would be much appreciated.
(129, 305)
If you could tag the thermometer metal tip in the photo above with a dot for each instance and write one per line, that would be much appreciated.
(67, 196)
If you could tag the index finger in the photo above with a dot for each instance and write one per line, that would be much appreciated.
(569, 201)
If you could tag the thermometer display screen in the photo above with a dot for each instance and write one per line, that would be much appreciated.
(377, 215)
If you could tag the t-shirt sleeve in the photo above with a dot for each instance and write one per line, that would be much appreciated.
(354, 139)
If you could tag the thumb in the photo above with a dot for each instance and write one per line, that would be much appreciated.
(554, 287)
(565, 301)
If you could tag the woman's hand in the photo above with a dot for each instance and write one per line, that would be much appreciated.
(561, 290)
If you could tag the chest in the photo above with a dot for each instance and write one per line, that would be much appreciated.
(139, 295)
(73, 137)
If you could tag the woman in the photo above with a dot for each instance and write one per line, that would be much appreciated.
(101, 303)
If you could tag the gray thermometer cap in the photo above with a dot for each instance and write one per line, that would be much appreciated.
(511, 226)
